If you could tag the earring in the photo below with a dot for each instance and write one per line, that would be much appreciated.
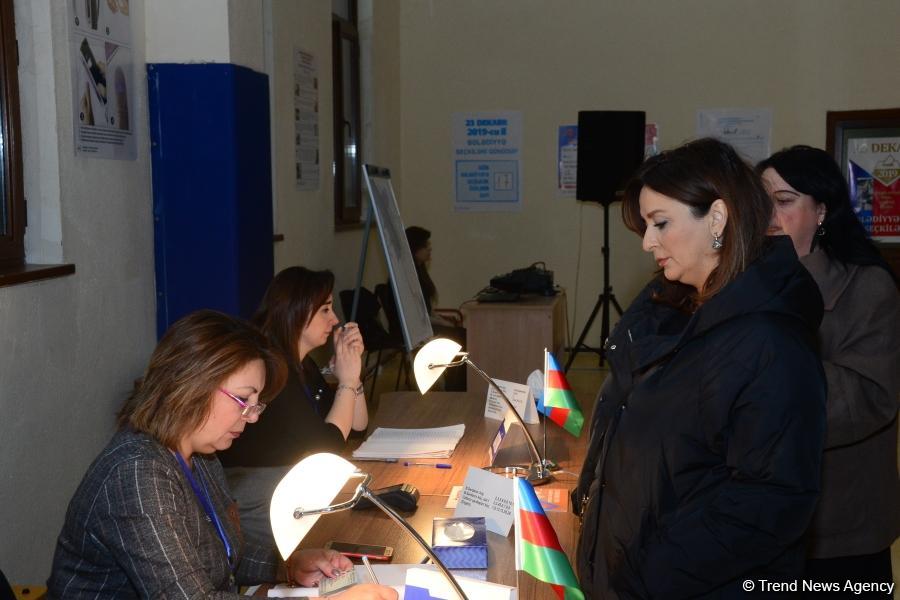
(821, 230)
(717, 243)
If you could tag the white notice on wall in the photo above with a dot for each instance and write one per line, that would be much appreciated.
(487, 160)
(490, 496)
(306, 120)
(520, 396)
(749, 130)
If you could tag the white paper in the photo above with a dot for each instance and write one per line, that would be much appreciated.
(490, 496)
(520, 396)
(434, 442)
(439, 587)
(749, 130)
(390, 575)
(487, 161)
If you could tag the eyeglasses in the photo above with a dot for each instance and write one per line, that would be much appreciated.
(247, 409)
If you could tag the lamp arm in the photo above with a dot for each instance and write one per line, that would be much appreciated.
(535, 455)
(415, 535)
(299, 512)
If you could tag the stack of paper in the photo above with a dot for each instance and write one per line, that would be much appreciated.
(436, 442)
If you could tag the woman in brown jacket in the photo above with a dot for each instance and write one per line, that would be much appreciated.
(859, 512)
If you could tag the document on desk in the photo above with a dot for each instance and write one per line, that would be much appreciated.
(434, 442)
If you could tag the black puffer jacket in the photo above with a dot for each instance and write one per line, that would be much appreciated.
(703, 466)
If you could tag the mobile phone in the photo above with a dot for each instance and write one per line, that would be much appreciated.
(359, 550)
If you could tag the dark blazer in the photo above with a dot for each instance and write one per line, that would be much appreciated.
(292, 426)
(859, 512)
(703, 465)
(134, 529)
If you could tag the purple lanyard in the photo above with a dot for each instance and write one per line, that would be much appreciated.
(203, 498)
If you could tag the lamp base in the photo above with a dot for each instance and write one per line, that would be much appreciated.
(535, 474)
(551, 465)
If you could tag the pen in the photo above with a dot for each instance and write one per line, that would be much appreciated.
(421, 464)
(365, 560)
(387, 460)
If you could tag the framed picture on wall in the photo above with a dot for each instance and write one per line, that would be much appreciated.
(866, 144)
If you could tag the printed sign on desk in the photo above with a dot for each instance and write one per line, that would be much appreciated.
(520, 396)
(490, 496)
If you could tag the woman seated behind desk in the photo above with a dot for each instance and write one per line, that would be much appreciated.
(153, 517)
(307, 416)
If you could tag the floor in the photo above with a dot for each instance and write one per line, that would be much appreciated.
(585, 378)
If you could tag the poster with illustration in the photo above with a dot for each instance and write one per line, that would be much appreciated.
(873, 167)
(102, 79)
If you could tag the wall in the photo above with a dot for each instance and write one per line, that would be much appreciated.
(72, 346)
(800, 58)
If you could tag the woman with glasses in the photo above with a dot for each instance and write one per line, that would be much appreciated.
(297, 316)
(858, 517)
(153, 517)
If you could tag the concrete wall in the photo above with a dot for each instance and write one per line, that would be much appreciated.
(72, 346)
(552, 59)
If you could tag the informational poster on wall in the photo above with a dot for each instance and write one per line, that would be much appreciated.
(487, 164)
(873, 167)
(306, 120)
(102, 79)
(749, 130)
(567, 161)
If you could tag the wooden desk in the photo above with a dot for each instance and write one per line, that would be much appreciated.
(507, 339)
(409, 409)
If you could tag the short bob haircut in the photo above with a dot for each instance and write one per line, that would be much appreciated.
(697, 174)
(293, 297)
(194, 357)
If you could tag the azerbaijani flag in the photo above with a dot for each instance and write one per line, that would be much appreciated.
(559, 402)
(538, 552)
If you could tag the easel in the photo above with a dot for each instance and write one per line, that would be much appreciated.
(603, 302)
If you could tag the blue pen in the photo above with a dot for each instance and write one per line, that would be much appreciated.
(421, 464)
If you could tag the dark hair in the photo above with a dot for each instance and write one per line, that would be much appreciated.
(291, 300)
(418, 237)
(697, 174)
(193, 358)
(814, 172)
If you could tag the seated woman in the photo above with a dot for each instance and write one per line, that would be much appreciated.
(153, 517)
(702, 472)
(419, 240)
(307, 416)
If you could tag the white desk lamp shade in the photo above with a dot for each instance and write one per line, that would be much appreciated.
(438, 351)
(312, 483)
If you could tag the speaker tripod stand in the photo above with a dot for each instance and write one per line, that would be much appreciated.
(602, 305)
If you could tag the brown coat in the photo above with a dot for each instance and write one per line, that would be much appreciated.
(859, 511)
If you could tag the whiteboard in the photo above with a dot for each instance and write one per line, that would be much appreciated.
(411, 309)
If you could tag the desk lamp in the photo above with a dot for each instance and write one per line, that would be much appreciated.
(308, 490)
(440, 354)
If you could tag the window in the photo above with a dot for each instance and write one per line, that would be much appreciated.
(12, 198)
(347, 166)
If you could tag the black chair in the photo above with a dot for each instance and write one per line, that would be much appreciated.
(6, 591)
(377, 339)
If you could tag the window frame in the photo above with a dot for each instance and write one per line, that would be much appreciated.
(12, 241)
(346, 216)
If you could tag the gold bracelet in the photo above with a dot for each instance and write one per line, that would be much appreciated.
(356, 390)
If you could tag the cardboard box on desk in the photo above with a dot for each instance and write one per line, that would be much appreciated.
(461, 542)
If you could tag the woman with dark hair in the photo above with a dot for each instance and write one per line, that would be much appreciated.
(702, 471)
(153, 517)
(858, 516)
(297, 316)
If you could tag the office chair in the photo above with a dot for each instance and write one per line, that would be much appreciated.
(376, 338)
(386, 297)
(6, 591)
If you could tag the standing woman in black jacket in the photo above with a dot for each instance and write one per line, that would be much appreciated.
(703, 466)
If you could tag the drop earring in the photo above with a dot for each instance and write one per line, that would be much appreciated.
(821, 230)
(717, 243)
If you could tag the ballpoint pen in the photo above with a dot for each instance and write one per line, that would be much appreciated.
(387, 460)
(421, 464)
(365, 560)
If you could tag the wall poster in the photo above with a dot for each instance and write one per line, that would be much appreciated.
(306, 120)
(102, 79)
(487, 161)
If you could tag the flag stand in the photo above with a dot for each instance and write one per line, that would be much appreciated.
(549, 464)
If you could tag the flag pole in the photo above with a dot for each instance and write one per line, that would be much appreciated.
(550, 465)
